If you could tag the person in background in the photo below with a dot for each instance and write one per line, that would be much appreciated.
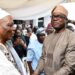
(49, 29)
(58, 56)
(27, 36)
(32, 35)
(19, 44)
(34, 49)
(35, 29)
(70, 27)
(71, 21)
(10, 63)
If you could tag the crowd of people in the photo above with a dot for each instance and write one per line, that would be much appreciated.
(48, 51)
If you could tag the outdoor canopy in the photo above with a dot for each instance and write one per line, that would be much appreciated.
(34, 9)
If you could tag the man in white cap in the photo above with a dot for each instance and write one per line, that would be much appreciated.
(58, 57)
(10, 64)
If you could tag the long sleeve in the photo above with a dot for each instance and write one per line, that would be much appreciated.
(6, 67)
(40, 66)
(69, 64)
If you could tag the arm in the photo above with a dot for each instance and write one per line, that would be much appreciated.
(40, 65)
(23, 43)
(30, 67)
(18, 41)
(30, 56)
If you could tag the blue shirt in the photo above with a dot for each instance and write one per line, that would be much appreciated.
(34, 52)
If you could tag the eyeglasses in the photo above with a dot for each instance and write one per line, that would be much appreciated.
(59, 16)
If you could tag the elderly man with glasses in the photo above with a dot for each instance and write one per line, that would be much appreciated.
(58, 56)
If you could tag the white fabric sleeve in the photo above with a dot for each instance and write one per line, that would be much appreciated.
(6, 67)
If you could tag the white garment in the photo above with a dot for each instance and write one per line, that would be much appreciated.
(33, 37)
(6, 67)
(18, 61)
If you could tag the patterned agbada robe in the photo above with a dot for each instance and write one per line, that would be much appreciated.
(7, 62)
(58, 57)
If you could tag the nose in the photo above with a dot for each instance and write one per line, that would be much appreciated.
(55, 18)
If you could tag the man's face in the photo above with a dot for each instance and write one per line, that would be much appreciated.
(18, 32)
(7, 28)
(41, 37)
(58, 20)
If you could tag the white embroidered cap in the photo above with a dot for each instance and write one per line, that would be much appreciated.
(40, 30)
(3, 13)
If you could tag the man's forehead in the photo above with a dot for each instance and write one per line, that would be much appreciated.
(8, 18)
(58, 13)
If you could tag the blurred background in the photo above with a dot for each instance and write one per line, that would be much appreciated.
(35, 12)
